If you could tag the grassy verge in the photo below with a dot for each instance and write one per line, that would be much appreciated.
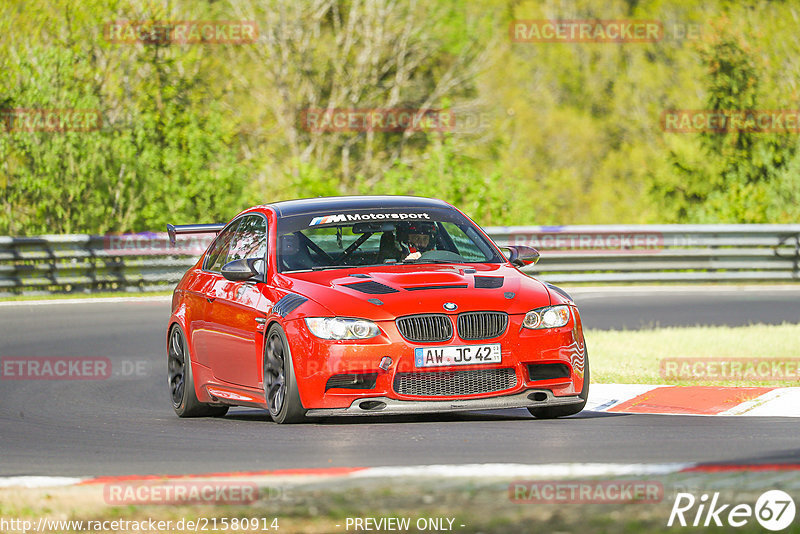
(634, 357)
(484, 505)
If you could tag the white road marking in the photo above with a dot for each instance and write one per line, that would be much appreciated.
(88, 300)
(589, 292)
(38, 482)
(605, 396)
(781, 402)
(505, 471)
(523, 470)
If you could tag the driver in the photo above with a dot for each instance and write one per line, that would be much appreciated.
(417, 237)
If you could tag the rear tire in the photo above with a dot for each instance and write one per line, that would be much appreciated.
(181, 381)
(280, 383)
(552, 412)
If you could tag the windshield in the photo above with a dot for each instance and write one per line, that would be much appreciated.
(380, 237)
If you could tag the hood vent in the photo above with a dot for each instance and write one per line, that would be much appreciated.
(488, 282)
(424, 288)
(371, 287)
(288, 303)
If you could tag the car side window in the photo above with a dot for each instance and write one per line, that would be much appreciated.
(219, 250)
(250, 240)
(465, 244)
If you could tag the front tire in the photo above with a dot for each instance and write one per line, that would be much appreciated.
(552, 412)
(280, 383)
(181, 382)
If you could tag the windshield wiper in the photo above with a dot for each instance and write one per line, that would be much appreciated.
(426, 260)
(327, 267)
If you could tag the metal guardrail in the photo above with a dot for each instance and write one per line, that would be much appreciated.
(570, 254)
(660, 253)
(63, 263)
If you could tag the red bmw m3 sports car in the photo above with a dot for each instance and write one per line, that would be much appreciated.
(368, 305)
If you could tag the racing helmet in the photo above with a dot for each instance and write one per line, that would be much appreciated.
(408, 228)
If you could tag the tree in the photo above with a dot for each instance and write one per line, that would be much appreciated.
(729, 175)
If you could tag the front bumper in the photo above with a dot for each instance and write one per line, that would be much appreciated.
(388, 406)
(316, 361)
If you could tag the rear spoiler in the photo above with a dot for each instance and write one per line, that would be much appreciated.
(175, 229)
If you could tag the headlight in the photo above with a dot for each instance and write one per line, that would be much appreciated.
(339, 328)
(547, 317)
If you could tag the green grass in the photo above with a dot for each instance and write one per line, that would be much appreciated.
(633, 357)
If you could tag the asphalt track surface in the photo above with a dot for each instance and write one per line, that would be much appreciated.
(125, 425)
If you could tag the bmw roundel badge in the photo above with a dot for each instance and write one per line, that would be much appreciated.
(450, 306)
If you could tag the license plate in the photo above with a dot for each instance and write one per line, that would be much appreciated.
(464, 355)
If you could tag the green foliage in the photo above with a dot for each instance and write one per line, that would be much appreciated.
(53, 180)
(566, 132)
(730, 176)
(165, 151)
(311, 181)
(445, 173)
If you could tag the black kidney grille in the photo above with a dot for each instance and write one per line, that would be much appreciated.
(454, 383)
(482, 325)
(425, 328)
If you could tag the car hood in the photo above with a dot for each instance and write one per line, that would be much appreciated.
(386, 292)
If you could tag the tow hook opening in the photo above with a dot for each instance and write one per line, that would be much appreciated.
(538, 396)
(372, 406)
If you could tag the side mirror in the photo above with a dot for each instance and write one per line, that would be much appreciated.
(521, 256)
(239, 270)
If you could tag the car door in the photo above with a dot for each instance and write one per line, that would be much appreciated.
(233, 351)
(205, 292)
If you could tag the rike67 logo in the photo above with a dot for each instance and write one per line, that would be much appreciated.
(774, 510)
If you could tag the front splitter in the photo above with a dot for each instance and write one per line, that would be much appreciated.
(387, 406)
